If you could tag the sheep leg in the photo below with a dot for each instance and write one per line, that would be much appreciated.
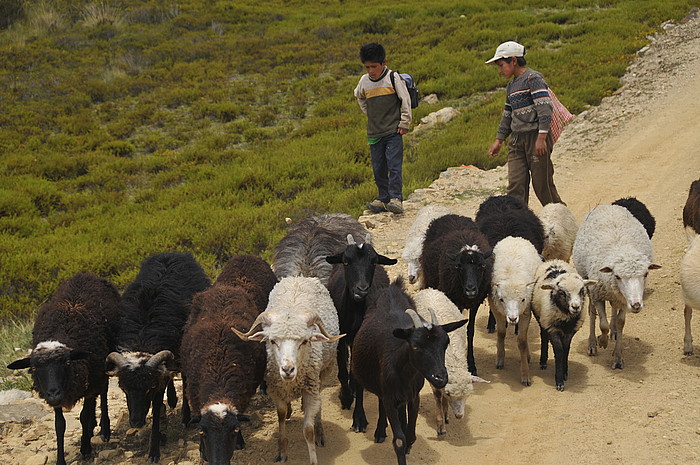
(439, 395)
(172, 394)
(603, 324)
(380, 431)
(60, 424)
(105, 426)
(491, 324)
(471, 364)
(524, 349)
(592, 344)
(186, 412)
(394, 414)
(559, 359)
(617, 351)
(311, 405)
(410, 430)
(501, 339)
(345, 394)
(156, 436)
(688, 339)
(282, 440)
(88, 422)
(567, 347)
(359, 419)
(544, 348)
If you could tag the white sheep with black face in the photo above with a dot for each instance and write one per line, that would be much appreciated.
(300, 330)
(415, 237)
(613, 249)
(690, 287)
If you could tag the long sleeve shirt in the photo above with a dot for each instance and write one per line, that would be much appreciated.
(528, 107)
(387, 107)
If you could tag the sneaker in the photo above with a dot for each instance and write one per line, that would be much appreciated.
(395, 206)
(376, 206)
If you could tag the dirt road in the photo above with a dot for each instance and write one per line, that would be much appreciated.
(644, 142)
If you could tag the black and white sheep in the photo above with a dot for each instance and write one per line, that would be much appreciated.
(514, 266)
(691, 211)
(415, 237)
(221, 372)
(156, 307)
(303, 250)
(613, 249)
(73, 333)
(357, 273)
(690, 288)
(560, 228)
(300, 331)
(456, 260)
(394, 351)
(558, 300)
(639, 211)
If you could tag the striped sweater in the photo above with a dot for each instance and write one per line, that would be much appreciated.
(528, 107)
(387, 109)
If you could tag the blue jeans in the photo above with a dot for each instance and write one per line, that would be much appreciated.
(387, 163)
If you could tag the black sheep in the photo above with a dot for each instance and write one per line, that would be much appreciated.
(73, 333)
(394, 351)
(156, 307)
(639, 211)
(456, 260)
(691, 210)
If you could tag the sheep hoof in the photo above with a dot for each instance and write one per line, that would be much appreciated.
(526, 382)
(560, 387)
(618, 364)
(688, 352)
(543, 366)
(442, 432)
(592, 349)
(280, 458)
(603, 341)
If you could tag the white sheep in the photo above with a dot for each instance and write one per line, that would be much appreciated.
(613, 249)
(459, 384)
(560, 228)
(300, 329)
(414, 240)
(690, 287)
(558, 300)
(515, 263)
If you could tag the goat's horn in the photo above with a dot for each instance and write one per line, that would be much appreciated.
(433, 317)
(260, 320)
(160, 357)
(351, 240)
(118, 359)
(368, 238)
(417, 322)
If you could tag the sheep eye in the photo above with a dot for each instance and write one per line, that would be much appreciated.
(617, 277)
(236, 430)
(501, 299)
(304, 342)
(345, 264)
(67, 363)
(273, 342)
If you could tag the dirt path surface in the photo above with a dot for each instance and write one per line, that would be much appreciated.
(642, 141)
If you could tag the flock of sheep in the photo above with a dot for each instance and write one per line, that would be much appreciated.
(327, 308)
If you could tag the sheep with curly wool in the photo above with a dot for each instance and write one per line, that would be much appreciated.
(415, 237)
(300, 331)
(560, 228)
(613, 249)
(690, 288)
(514, 266)
(459, 380)
(558, 299)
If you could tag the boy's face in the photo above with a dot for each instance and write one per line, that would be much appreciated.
(506, 67)
(374, 69)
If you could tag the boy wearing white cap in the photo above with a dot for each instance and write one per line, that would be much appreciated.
(526, 118)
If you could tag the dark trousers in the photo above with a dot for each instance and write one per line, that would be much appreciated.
(524, 163)
(387, 162)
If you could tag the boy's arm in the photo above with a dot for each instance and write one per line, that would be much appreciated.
(405, 98)
(361, 99)
(543, 108)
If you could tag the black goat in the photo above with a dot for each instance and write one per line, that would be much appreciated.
(73, 333)
(355, 275)
(156, 307)
(691, 210)
(639, 211)
(394, 351)
(456, 260)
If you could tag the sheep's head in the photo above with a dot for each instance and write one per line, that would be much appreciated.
(220, 433)
(629, 274)
(141, 376)
(513, 297)
(51, 364)
(568, 292)
(457, 393)
(359, 261)
(471, 264)
(288, 336)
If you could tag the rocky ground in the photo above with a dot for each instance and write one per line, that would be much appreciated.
(640, 141)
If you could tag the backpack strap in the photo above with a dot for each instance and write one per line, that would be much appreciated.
(391, 76)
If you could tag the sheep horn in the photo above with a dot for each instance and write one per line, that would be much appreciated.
(160, 357)
(433, 317)
(316, 320)
(118, 359)
(417, 321)
(368, 238)
(260, 320)
(351, 240)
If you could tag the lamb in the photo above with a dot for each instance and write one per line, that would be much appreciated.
(560, 228)
(303, 250)
(456, 260)
(640, 212)
(690, 288)
(300, 331)
(613, 249)
(394, 351)
(156, 306)
(220, 372)
(73, 333)
(691, 211)
(512, 281)
(357, 273)
(558, 300)
(459, 380)
(416, 236)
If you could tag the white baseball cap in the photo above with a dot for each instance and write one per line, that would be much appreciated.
(507, 50)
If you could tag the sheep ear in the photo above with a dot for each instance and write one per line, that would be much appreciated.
(449, 327)
(19, 364)
(488, 254)
(547, 287)
(77, 354)
(335, 259)
(589, 282)
(386, 260)
(654, 266)
(402, 333)
(606, 269)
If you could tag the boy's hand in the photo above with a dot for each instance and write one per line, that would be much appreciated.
(541, 144)
(402, 131)
(495, 148)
